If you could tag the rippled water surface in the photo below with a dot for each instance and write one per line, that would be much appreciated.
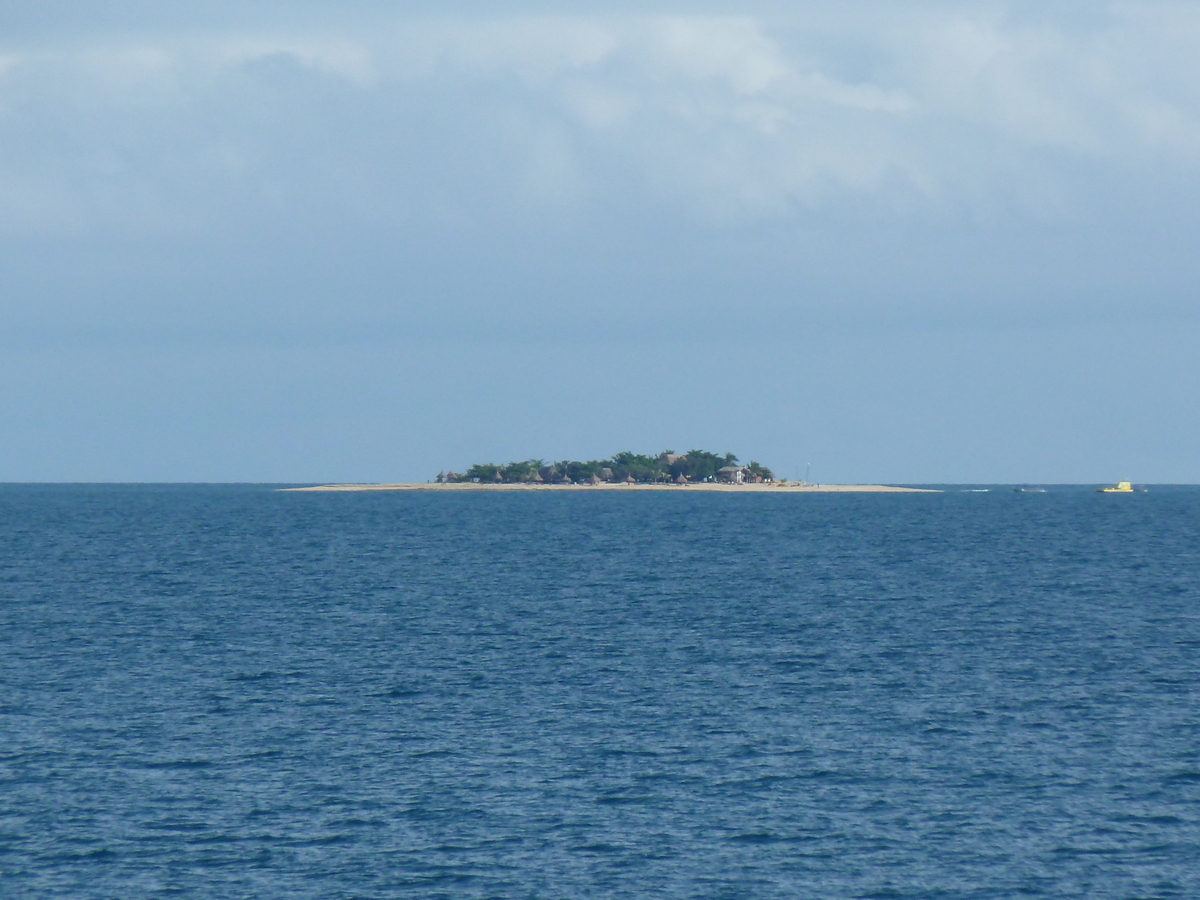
(227, 692)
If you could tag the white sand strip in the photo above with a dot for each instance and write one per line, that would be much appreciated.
(780, 488)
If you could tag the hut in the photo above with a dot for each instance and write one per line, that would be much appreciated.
(731, 474)
(682, 479)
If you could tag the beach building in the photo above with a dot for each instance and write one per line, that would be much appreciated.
(738, 475)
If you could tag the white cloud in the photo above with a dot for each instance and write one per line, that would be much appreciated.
(345, 59)
(963, 112)
(1039, 86)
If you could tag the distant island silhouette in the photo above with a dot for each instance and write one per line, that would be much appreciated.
(668, 467)
(697, 470)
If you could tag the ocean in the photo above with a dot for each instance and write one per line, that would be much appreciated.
(231, 692)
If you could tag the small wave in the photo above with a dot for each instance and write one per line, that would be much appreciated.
(399, 693)
(598, 847)
(185, 764)
(1184, 777)
(754, 837)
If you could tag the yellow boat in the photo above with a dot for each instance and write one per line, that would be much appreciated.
(1123, 487)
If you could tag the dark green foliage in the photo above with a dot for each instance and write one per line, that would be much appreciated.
(642, 468)
(578, 471)
(760, 470)
(513, 473)
(483, 472)
(695, 465)
(698, 465)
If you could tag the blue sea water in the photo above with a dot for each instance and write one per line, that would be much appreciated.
(228, 692)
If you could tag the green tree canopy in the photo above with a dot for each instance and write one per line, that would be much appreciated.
(695, 465)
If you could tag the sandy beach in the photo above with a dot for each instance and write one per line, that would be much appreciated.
(778, 488)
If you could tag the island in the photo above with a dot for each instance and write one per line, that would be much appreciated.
(694, 470)
(668, 467)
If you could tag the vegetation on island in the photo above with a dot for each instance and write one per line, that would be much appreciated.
(633, 468)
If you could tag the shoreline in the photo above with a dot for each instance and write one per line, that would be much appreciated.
(775, 488)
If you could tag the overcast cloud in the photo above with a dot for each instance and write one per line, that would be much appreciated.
(291, 174)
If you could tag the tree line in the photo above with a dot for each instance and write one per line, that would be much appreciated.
(695, 465)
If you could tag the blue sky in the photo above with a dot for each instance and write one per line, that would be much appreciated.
(903, 242)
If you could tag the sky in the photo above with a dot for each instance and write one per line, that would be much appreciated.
(901, 242)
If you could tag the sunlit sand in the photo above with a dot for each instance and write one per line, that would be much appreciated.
(773, 488)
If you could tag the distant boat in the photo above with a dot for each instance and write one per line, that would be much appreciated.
(1123, 487)
(1030, 490)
